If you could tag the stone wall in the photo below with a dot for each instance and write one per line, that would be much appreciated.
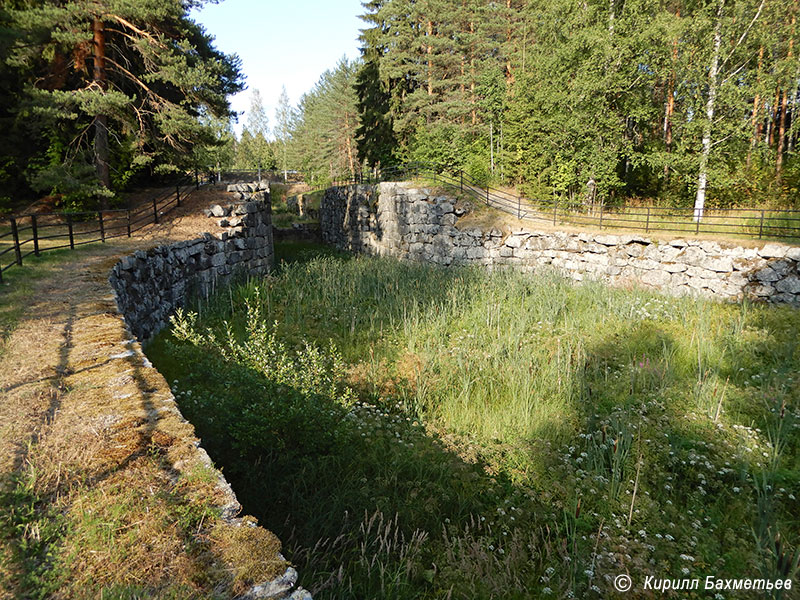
(151, 284)
(396, 219)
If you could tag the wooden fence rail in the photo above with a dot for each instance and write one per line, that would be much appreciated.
(34, 233)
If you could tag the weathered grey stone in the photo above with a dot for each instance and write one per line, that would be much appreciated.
(760, 290)
(275, 589)
(607, 240)
(678, 280)
(656, 278)
(218, 211)
(749, 264)
(721, 264)
(634, 250)
(674, 267)
(784, 298)
(151, 284)
(767, 275)
(646, 263)
(790, 285)
(773, 251)
(515, 241)
(710, 247)
(782, 267)
(692, 255)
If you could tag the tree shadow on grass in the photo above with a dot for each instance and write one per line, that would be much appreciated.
(367, 503)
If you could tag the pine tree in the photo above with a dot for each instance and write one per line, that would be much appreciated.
(257, 126)
(552, 93)
(123, 82)
(324, 131)
(375, 135)
(284, 118)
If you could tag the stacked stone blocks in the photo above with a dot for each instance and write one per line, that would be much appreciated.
(151, 284)
(396, 219)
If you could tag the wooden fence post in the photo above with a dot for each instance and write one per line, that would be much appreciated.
(102, 228)
(35, 228)
(761, 225)
(17, 248)
(555, 210)
(155, 210)
(602, 204)
(178, 194)
(129, 222)
(71, 233)
(647, 224)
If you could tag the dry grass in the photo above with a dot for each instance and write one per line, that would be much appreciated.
(102, 487)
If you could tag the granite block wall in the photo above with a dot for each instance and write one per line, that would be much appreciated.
(397, 219)
(150, 284)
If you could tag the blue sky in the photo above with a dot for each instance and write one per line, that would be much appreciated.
(288, 42)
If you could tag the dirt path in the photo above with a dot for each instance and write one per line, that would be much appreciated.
(101, 483)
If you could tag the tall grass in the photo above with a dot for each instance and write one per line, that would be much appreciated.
(515, 436)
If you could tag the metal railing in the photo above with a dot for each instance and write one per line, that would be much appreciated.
(31, 234)
(758, 223)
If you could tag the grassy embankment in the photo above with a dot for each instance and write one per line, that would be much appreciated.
(90, 503)
(413, 432)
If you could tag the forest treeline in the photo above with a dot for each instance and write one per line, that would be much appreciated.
(671, 101)
(95, 94)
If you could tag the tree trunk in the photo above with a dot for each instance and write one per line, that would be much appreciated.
(349, 144)
(702, 179)
(509, 68)
(101, 151)
(500, 154)
(772, 120)
(781, 136)
(784, 107)
(429, 50)
(472, 74)
(611, 17)
(671, 99)
(491, 147)
(790, 143)
(285, 171)
(755, 124)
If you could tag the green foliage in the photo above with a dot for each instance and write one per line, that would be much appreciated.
(323, 135)
(254, 150)
(159, 78)
(548, 94)
(277, 402)
(34, 530)
(216, 148)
